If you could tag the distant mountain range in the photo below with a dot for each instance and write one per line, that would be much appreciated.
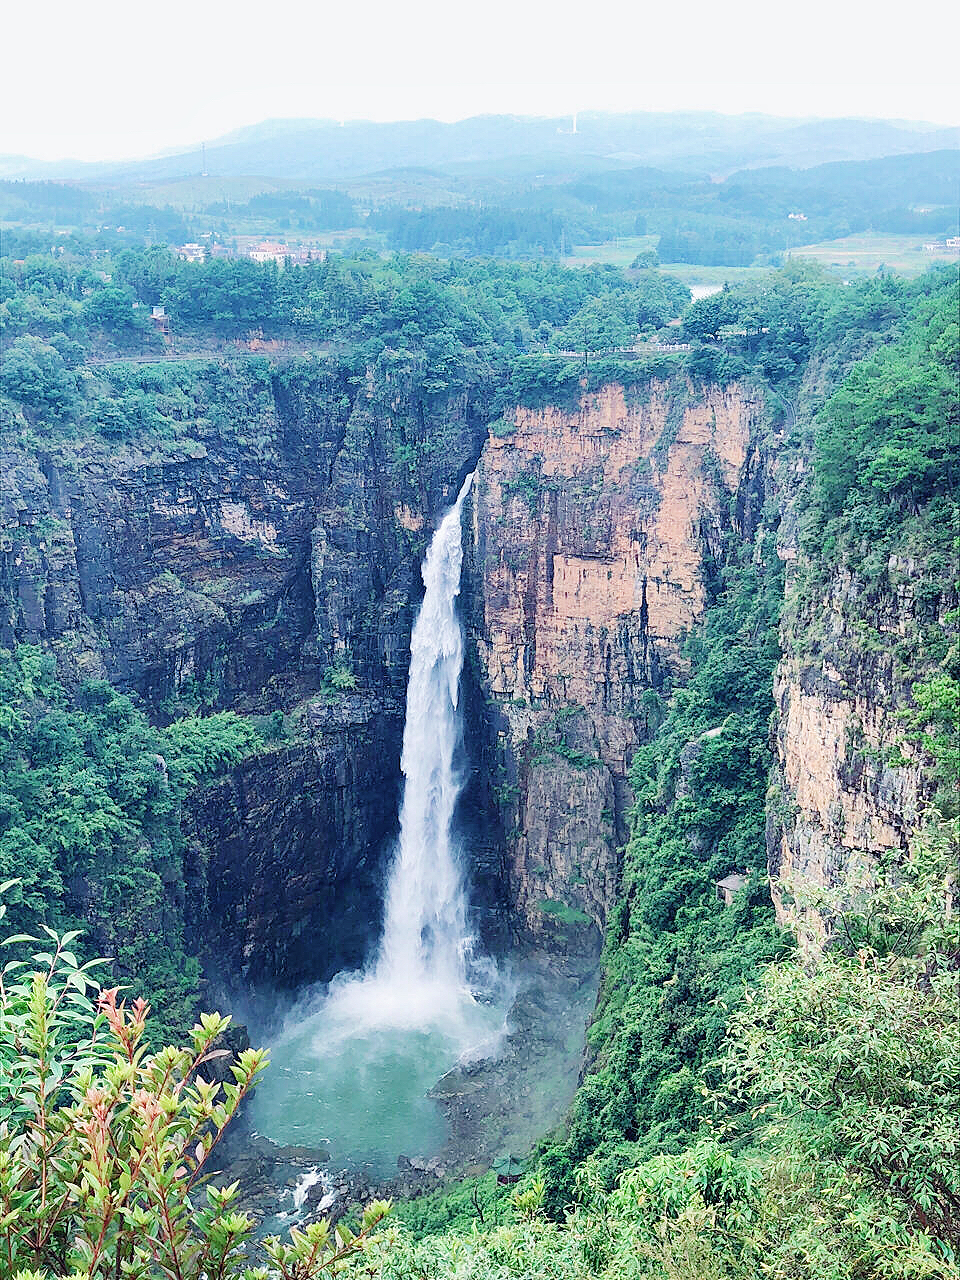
(310, 151)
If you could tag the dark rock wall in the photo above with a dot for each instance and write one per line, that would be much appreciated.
(287, 852)
(278, 534)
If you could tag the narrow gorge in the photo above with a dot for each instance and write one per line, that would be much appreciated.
(482, 735)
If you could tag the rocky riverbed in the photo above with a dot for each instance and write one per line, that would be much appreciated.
(493, 1105)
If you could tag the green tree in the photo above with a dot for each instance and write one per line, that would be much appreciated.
(111, 308)
(854, 1055)
(35, 374)
(599, 325)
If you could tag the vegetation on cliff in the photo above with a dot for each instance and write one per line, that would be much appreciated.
(90, 800)
(742, 1113)
(676, 959)
(832, 1148)
(493, 306)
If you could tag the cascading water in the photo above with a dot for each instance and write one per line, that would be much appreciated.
(355, 1068)
(424, 936)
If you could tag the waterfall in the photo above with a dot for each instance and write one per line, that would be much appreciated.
(424, 936)
(418, 977)
(354, 1064)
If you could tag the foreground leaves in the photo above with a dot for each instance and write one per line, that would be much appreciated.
(105, 1147)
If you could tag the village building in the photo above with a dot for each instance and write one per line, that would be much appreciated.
(281, 254)
(161, 320)
(728, 886)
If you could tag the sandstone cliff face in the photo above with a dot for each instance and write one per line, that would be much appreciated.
(841, 797)
(592, 540)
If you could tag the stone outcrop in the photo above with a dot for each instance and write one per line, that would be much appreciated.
(593, 540)
(847, 790)
(287, 852)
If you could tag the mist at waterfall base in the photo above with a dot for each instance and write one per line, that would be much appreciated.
(353, 1064)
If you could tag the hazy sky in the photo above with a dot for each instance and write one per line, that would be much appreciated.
(106, 80)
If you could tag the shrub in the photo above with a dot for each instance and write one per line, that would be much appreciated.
(105, 1147)
(207, 744)
(339, 678)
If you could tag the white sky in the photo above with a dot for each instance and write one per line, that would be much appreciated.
(107, 79)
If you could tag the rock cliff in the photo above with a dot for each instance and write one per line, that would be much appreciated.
(286, 852)
(593, 540)
(847, 789)
(276, 535)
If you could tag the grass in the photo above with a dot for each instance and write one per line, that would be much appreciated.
(620, 252)
(853, 255)
(700, 280)
(561, 912)
(695, 276)
(863, 254)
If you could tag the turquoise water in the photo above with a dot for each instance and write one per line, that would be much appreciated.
(352, 1074)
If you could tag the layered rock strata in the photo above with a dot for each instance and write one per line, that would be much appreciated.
(848, 790)
(594, 539)
(269, 538)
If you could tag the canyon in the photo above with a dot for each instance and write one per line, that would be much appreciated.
(250, 561)
(266, 560)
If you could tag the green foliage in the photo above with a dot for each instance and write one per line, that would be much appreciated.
(526, 485)
(881, 509)
(461, 231)
(614, 319)
(561, 912)
(833, 1154)
(469, 1202)
(90, 799)
(437, 328)
(339, 678)
(856, 1058)
(599, 324)
(774, 328)
(111, 308)
(210, 744)
(887, 442)
(105, 1147)
(34, 373)
(503, 428)
(676, 958)
(934, 723)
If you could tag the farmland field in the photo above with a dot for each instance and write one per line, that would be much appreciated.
(870, 250)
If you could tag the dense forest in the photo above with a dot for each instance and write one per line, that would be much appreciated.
(745, 1109)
